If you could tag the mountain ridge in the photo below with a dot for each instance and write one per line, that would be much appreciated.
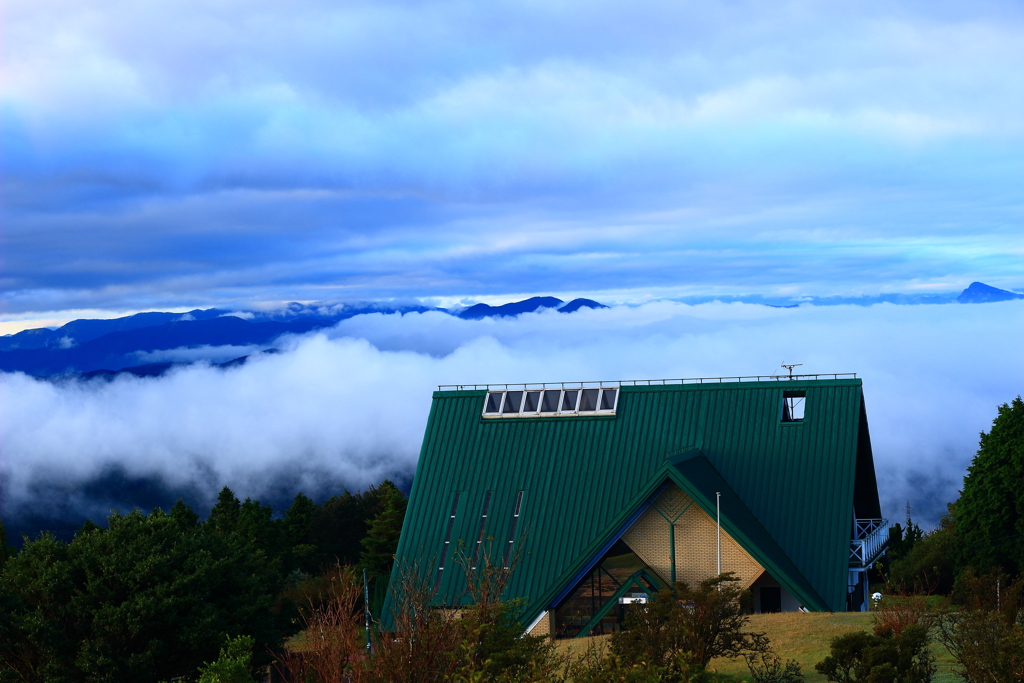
(90, 348)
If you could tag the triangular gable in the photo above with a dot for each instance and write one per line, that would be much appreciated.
(697, 477)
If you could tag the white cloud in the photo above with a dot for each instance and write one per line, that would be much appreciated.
(351, 405)
(190, 354)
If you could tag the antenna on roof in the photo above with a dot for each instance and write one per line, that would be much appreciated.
(791, 366)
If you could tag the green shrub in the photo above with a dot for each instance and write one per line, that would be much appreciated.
(233, 664)
(883, 657)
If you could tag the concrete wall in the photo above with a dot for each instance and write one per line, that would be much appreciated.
(696, 542)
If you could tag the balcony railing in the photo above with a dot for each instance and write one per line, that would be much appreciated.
(870, 539)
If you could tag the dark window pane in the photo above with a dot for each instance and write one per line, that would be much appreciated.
(608, 399)
(589, 399)
(618, 568)
(532, 401)
(493, 402)
(513, 399)
(793, 403)
(550, 403)
(569, 402)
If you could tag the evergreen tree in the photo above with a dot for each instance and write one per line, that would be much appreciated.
(990, 512)
(5, 550)
(341, 523)
(148, 598)
(381, 541)
(224, 515)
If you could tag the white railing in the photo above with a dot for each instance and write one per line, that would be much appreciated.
(646, 382)
(870, 539)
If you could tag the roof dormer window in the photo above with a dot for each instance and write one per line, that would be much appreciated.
(565, 402)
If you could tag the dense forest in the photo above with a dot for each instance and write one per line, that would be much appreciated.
(151, 597)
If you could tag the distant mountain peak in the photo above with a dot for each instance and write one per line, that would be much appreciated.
(980, 293)
(512, 309)
(577, 304)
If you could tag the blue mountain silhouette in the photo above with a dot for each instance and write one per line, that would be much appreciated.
(577, 304)
(980, 293)
(107, 348)
(512, 309)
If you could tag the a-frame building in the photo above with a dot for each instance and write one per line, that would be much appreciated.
(607, 491)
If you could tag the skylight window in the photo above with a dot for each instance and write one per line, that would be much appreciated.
(608, 399)
(551, 402)
(493, 402)
(588, 400)
(569, 399)
(513, 402)
(532, 402)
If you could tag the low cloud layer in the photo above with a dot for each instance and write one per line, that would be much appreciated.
(348, 407)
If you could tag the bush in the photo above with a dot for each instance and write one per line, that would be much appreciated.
(683, 630)
(233, 664)
(767, 667)
(985, 630)
(881, 657)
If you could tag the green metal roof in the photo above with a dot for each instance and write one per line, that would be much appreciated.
(788, 488)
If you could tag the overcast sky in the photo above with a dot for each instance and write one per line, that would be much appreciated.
(180, 154)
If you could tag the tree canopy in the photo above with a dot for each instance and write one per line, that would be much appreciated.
(990, 512)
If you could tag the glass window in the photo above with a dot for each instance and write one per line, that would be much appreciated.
(493, 404)
(550, 402)
(588, 401)
(620, 566)
(793, 403)
(608, 399)
(532, 402)
(513, 400)
(569, 401)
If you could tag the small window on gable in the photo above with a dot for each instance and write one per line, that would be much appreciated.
(569, 401)
(550, 402)
(493, 402)
(532, 402)
(588, 399)
(793, 403)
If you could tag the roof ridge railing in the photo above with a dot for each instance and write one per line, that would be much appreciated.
(644, 382)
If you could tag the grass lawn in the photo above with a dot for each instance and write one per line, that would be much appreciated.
(803, 637)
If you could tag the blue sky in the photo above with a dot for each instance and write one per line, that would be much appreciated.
(174, 155)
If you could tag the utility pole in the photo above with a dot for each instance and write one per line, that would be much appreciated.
(366, 608)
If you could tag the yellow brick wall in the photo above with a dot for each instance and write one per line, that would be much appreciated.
(543, 627)
(696, 542)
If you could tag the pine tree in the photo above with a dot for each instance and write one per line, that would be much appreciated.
(224, 514)
(381, 542)
(5, 550)
(990, 512)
